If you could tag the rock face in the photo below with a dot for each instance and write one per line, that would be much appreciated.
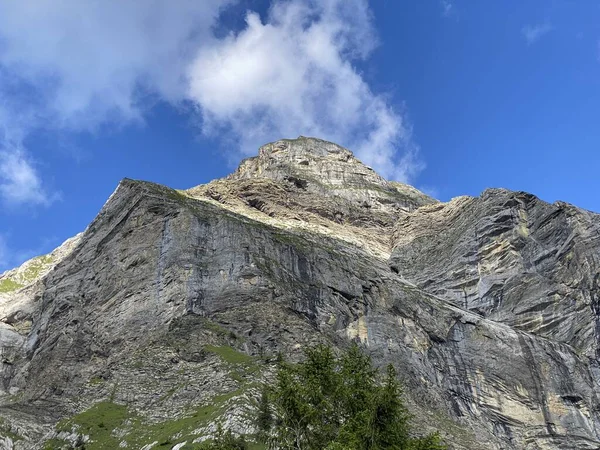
(165, 312)
(512, 258)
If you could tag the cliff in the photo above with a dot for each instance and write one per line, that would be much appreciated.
(159, 320)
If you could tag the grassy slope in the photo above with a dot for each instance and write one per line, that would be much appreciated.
(108, 424)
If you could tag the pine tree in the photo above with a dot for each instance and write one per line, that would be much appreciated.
(337, 404)
(264, 419)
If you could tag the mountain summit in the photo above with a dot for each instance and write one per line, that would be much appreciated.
(323, 167)
(155, 324)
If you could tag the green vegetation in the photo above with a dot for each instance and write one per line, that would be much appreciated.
(219, 330)
(107, 424)
(8, 285)
(179, 430)
(242, 367)
(95, 380)
(337, 404)
(98, 422)
(36, 266)
(229, 354)
(225, 441)
(31, 273)
(5, 431)
(323, 403)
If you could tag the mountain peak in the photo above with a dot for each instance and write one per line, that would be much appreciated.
(304, 146)
(326, 168)
(307, 157)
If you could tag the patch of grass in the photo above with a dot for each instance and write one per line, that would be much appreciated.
(96, 380)
(55, 444)
(99, 422)
(6, 431)
(8, 285)
(229, 354)
(256, 446)
(36, 266)
(242, 367)
(179, 430)
(219, 330)
(102, 420)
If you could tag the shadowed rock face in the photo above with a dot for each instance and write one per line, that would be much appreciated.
(173, 299)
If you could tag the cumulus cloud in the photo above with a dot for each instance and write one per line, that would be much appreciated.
(533, 33)
(293, 74)
(91, 62)
(75, 66)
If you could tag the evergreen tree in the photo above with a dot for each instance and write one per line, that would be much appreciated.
(337, 404)
(264, 417)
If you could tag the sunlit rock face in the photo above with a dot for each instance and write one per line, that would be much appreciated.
(175, 303)
(509, 257)
(329, 169)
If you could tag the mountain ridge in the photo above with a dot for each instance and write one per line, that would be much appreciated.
(172, 301)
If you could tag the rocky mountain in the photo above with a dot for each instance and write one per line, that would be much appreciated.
(161, 319)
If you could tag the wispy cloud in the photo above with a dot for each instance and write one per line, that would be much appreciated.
(20, 182)
(533, 33)
(448, 8)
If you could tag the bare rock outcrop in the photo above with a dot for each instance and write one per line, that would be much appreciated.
(173, 305)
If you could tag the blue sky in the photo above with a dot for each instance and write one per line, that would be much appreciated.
(452, 96)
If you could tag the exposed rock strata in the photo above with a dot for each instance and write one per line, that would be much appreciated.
(512, 258)
(488, 306)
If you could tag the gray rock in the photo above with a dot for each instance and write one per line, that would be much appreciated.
(486, 306)
(512, 258)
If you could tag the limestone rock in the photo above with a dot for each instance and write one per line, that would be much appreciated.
(175, 303)
(512, 258)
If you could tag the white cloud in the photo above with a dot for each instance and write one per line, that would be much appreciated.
(71, 66)
(20, 182)
(91, 62)
(533, 33)
(293, 74)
